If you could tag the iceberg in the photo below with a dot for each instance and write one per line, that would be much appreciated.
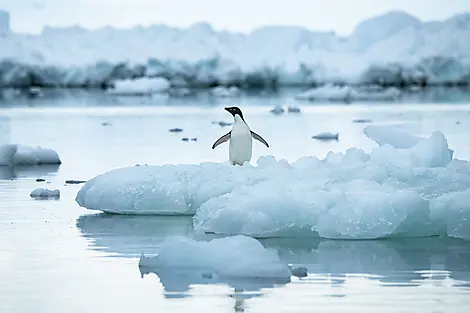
(393, 49)
(216, 258)
(407, 186)
(12, 154)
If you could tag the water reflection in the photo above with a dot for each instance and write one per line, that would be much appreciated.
(177, 282)
(131, 235)
(28, 171)
(388, 261)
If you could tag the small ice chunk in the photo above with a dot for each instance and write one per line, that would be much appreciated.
(224, 92)
(140, 86)
(326, 93)
(326, 136)
(11, 154)
(293, 109)
(237, 256)
(298, 271)
(278, 110)
(74, 181)
(43, 193)
(362, 120)
(223, 124)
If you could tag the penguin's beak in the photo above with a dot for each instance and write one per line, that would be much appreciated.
(227, 109)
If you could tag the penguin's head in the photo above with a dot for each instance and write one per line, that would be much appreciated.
(234, 111)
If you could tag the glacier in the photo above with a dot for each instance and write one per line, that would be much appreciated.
(407, 186)
(393, 49)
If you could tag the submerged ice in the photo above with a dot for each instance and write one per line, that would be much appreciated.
(405, 187)
(216, 258)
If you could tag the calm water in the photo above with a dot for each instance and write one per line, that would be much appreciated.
(58, 257)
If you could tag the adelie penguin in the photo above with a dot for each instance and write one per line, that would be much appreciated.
(240, 137)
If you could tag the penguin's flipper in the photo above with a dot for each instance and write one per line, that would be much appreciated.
(259, 138)
(222, 139)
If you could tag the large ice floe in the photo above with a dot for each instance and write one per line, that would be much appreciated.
(405, 187)
(391, 49)
(13, 154)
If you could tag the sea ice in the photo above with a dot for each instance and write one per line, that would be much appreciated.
(12, 154)
(400, 189)
(237, 256)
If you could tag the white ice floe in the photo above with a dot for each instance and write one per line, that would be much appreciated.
(43, 193)
(12, 154)
(405, 187)
(393, 48)
(224, 92)
(237, 256)
(348, 94)
(140, 86)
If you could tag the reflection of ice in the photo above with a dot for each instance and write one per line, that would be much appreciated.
(33, 171)
(389, 261)
(177, 281)
(128, 235)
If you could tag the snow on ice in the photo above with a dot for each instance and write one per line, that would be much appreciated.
(405, 187)
(391, 49)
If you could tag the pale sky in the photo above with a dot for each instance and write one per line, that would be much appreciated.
(340, 16)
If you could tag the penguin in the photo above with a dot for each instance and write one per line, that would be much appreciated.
(240, 137)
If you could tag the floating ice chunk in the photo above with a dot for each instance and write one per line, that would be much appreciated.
(362, 120)
(278, 110)
(326, 136)
(140, 86)
(326, 93)
(42, 193)
(237, 256)
(11, 154)
(354, 195)
(293, 109)
(224, 92)
(298, 271)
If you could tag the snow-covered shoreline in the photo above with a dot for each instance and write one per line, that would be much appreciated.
(394, 49)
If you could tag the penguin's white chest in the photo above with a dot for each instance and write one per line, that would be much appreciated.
(240, 149)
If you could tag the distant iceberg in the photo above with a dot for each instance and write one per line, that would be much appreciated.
(394, 49)
(405, 187)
